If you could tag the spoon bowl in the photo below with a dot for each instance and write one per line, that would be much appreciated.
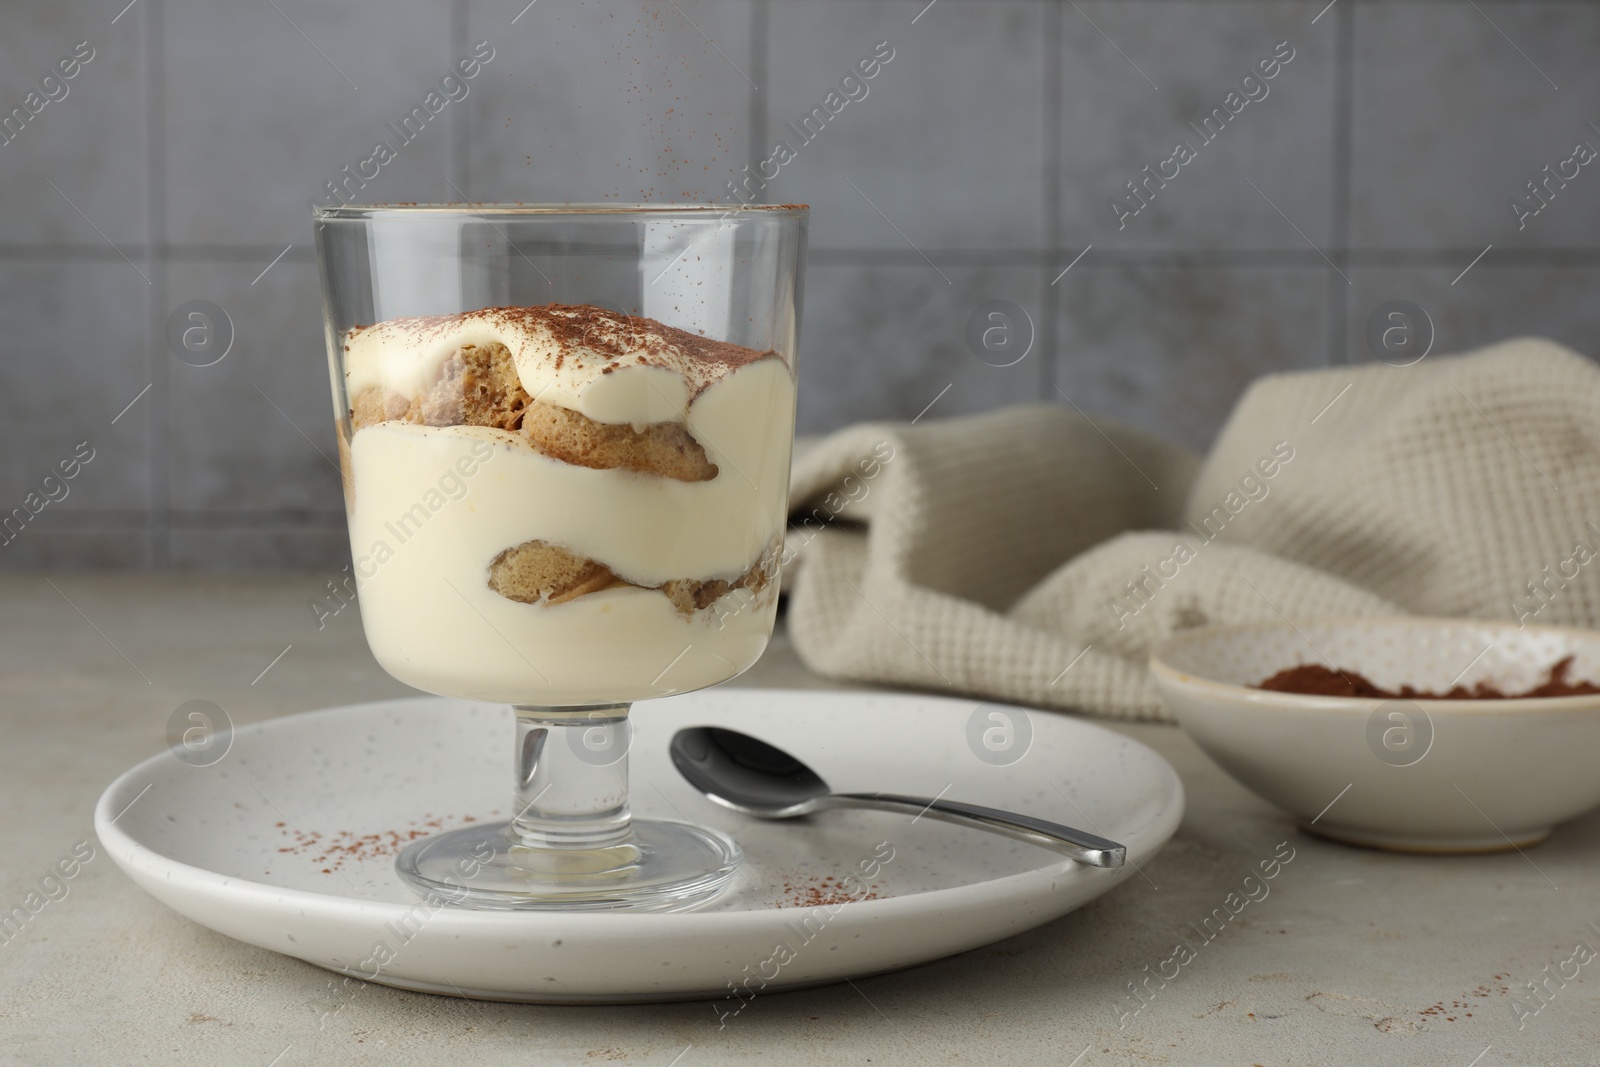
(746, 774)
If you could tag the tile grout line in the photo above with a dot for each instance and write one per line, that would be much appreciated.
(760, 40)
(1339, 289)
(135, 519)
(1561, 257)
(151, 25)
(458, 164)
(1049, 358)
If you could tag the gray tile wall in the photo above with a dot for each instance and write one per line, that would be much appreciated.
(979, 167)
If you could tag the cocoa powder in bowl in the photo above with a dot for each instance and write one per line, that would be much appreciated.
(1313, 679)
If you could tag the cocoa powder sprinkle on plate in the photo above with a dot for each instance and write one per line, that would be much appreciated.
(336, 848)
(814, 891)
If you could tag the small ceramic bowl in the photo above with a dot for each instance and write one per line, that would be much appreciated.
(1409, 775)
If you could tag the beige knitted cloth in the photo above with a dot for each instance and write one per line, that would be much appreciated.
(1034, 555)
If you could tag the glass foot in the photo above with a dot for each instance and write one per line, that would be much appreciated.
(658, 866)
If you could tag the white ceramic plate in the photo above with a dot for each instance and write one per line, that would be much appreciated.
(288, 842)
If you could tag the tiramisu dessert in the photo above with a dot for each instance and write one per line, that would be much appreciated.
(563, 505)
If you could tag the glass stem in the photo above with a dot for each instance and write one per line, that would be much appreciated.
(572, 777)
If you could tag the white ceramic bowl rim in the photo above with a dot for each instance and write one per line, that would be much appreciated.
(1184, 642)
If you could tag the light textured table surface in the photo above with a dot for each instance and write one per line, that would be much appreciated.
(1353, 957)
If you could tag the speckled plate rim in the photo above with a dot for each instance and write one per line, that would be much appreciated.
(148, 867)
(1583, 704)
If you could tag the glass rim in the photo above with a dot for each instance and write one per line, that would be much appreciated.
(357, 212)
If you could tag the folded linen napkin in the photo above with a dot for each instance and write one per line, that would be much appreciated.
(1034, 555)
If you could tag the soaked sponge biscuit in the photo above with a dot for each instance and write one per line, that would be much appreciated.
(539, 572)
(690, 595)
(666, 449)
(378, 405)
(536, 572)
(478, 386)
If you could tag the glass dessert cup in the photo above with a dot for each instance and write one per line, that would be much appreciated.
(564, 433)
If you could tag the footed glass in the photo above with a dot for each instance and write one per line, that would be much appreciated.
(565, 435)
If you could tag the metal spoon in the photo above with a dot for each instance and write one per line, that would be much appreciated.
(750, 776)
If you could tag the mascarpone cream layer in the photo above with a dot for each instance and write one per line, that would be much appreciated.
(435, 505)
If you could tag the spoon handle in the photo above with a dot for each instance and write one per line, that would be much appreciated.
(1081, 845)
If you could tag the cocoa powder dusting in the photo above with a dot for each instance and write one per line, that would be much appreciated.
(624, 336)
(1313, 679)
(626, 340)
(333, 850)
(814, 892)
